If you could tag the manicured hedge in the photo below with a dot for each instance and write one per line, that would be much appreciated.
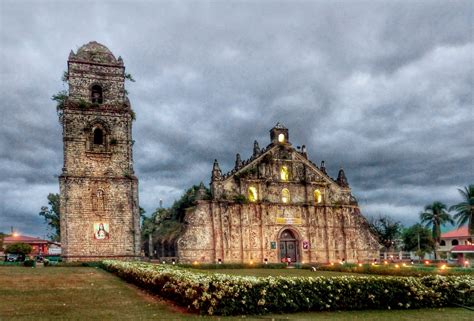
(391, 269)
(214, 266)
(236, 295)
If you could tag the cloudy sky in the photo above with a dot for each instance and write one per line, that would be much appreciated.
(384, 89)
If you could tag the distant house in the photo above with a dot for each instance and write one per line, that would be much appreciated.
(39, 246)
(458, 242)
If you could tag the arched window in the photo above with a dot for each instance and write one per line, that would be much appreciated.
(96, 94)
(284, 173)
(252, 194)
(98, 136)
(287, 235)
(285, 195)
(442, 243)
(317, 196)
(454, 242)
(281, 138)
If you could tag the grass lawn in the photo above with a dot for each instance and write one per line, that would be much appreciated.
(75, 293)
(277, 272)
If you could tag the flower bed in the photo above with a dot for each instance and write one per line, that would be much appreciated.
(233, 295)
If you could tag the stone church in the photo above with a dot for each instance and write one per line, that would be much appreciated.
(98, 188)
(276, 206)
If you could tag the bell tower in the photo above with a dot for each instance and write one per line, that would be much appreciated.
(98, 188)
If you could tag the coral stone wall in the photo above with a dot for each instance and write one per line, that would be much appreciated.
(98, 189)
(245, 232)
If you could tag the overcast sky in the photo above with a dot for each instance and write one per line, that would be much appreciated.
(384, 89)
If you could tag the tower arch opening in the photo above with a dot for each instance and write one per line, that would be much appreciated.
(96, 94)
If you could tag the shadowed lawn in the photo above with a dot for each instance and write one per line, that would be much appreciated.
(75, 293)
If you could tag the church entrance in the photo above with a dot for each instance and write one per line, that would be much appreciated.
(288, 246)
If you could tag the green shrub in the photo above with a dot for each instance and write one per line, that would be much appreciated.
(211, 266)
(6, 263)
(19, 248)
(391, 269)
(29, 263)
(236, 295)
(79, 264)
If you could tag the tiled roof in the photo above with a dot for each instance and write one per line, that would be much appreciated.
(24, 239)
(463, 249)
(460, 232)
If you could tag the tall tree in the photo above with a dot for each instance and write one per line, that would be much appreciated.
(386, 229)
(417, 238)
(436, 215)
(465, 209)
(52, 216)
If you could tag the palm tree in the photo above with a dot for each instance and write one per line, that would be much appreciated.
(465, 209)
(435, 215)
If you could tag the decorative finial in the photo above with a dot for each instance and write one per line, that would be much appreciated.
(238, 161)
(323, 167)
(201, 192)
(341, 178)
(216, 171)
(256, 148)
(303, 151)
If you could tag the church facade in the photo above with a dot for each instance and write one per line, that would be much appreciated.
(98, 188)
(277, 206)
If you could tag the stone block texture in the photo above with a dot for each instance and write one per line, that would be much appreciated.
(98, 188)
(277, 205)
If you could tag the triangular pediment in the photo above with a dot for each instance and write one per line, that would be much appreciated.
(275, 153)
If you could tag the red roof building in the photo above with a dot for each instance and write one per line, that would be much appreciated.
(39, 246)
(463, 249)
(459, 242)
(459, 236)
(457, 233)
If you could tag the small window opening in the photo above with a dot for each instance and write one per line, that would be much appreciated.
(252, 194)
(96, 94)
(317, 196)
(281, 138)
(284, 173)
(454, 242)
(98, 136)
(285, 196)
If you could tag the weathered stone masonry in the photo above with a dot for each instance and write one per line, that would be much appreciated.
(97, 184)
(294, 210)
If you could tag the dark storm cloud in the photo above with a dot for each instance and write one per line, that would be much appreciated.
(382, 88)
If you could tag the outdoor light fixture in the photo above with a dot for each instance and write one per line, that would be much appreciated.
(265, 260)
(397, 266)
(164, 262)
(443, 267)
(219, 261)
(173, 262)
(360, 264)
(427, 262)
